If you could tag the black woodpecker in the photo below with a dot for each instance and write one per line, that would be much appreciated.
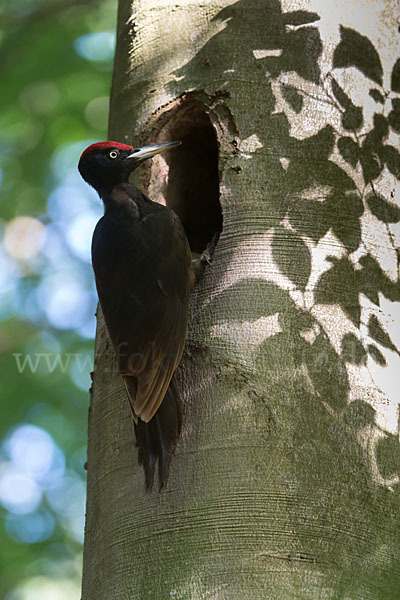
(144, 274)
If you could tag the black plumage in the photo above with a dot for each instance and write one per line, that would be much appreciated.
(142, 264)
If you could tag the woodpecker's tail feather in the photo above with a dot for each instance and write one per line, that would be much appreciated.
(157, 439)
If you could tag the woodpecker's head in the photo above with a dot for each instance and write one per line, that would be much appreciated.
(106, 164)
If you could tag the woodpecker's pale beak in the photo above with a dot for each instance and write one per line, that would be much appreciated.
(150, 151)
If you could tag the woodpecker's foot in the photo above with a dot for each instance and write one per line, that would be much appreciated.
(208, 253)
(199, 264)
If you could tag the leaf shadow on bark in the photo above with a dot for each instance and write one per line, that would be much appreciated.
(330, 422)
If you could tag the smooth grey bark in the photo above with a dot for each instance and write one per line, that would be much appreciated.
(285, 482)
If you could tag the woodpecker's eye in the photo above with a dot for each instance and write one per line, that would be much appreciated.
(113, 154)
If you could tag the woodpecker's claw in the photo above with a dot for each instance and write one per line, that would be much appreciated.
(206, 258)
(208, 253)
(199, 264)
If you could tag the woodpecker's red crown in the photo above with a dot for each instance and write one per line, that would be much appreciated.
(104, 146)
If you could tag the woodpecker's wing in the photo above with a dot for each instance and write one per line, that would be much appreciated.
(142, 268)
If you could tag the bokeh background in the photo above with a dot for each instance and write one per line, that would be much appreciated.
(56, 66)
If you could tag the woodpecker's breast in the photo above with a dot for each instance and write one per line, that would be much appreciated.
(122, 201)
(139, 241)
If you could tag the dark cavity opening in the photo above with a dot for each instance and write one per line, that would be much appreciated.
(186, 178)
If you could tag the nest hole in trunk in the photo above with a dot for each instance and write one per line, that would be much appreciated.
(186, 178)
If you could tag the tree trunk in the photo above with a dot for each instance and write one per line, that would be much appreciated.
(285, 482)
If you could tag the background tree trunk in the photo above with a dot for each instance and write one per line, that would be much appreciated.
(285, 482)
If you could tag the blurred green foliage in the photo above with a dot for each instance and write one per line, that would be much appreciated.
(56, 58)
